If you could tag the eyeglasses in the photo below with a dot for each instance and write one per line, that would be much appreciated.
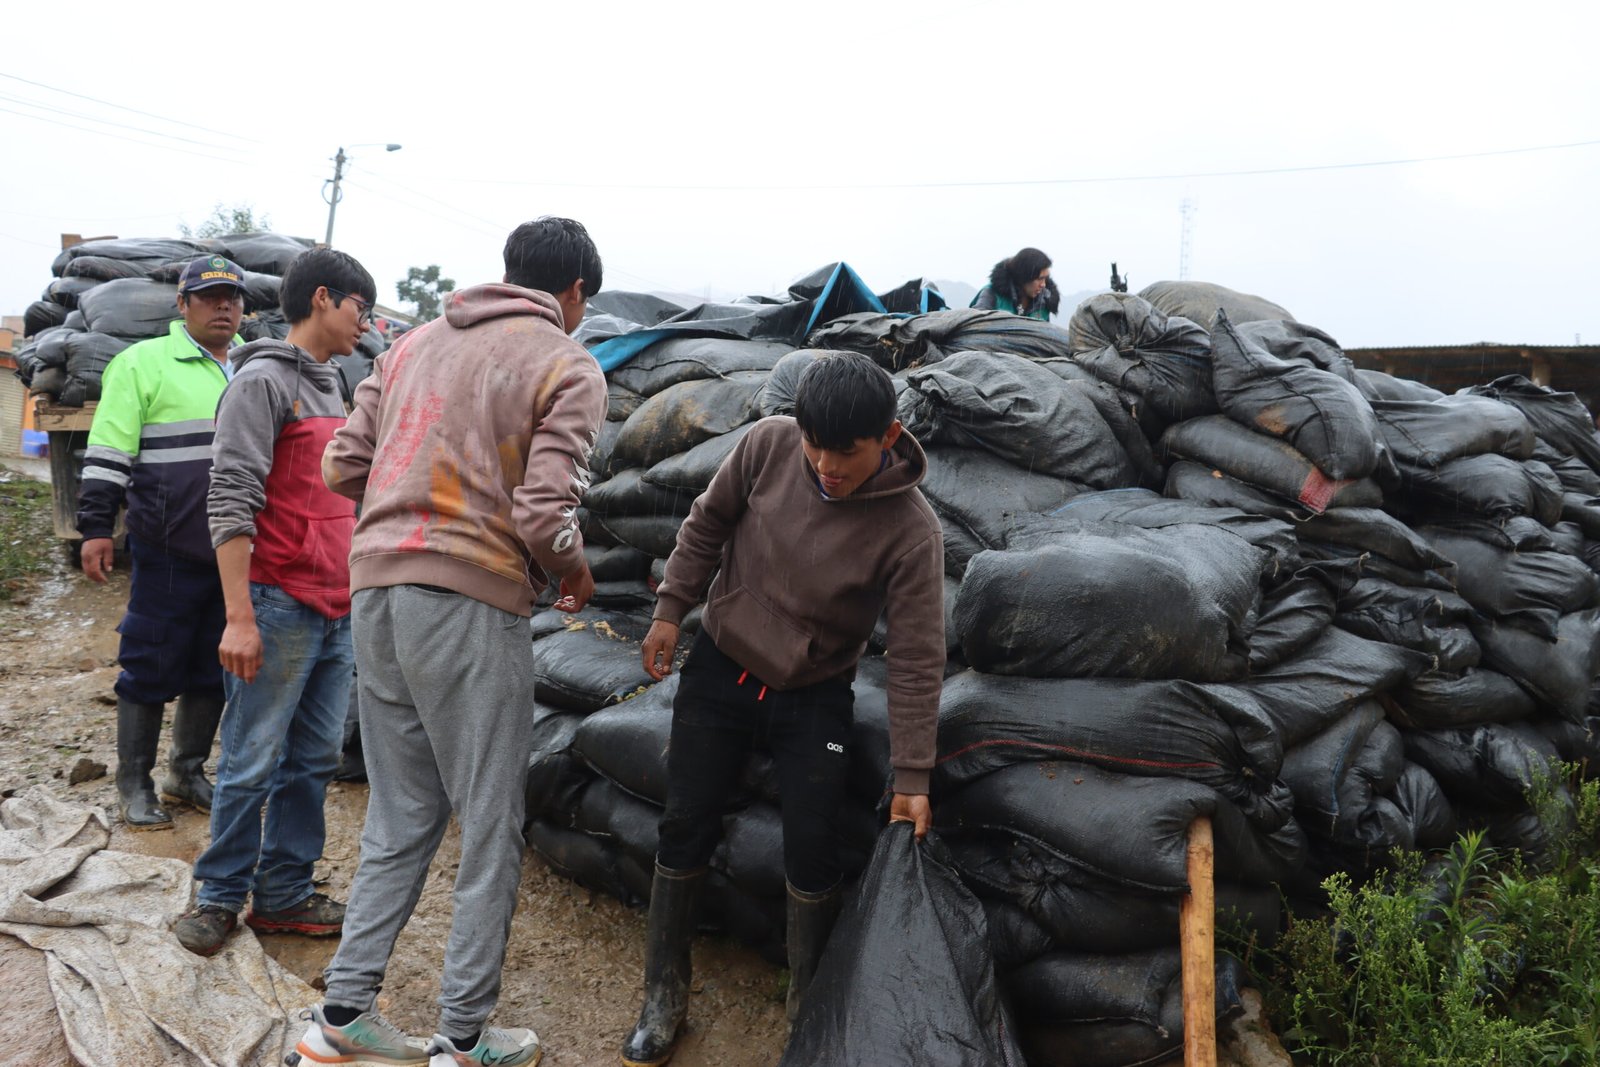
(363, 309)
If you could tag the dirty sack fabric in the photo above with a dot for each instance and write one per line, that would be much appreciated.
(1211, 734)
(1299, 343)
(1376, 385)
(1321, 414)
(1265, 462)
(1483, 486)
(909, 925)
(1558, 418)
(1108, 600)
(1430, 433)
(126, 990)
(1018, 410)
(1200, 301)
(1166, 362)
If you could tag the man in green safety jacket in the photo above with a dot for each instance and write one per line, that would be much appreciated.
(150, 447)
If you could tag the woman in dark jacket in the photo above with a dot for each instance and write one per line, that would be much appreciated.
(1022, 286)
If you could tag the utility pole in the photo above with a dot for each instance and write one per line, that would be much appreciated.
(333, 198)
(334, 195)
(1186, 241)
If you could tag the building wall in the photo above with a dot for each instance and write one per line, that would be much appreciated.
(13, 406)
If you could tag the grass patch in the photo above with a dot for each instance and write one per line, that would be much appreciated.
(27, 534)
(1477, 958)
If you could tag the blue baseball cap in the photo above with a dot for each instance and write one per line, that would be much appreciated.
(209, 271)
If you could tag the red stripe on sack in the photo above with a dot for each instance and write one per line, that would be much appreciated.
(1318, 490)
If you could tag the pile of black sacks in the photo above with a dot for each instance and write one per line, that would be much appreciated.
(1196, 565)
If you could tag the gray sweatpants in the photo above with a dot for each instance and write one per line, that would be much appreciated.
(446, 722)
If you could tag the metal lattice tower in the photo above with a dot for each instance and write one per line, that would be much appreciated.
(1186, 241)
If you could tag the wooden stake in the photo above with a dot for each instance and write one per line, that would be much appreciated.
(1197, 939)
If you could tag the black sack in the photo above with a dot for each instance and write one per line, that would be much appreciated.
(1295, 612)
(1265, 462)
(978, 497)
(1427, 434)
(1120, 1010)
(1440, 700)
(135, 308)
(909, 925)
(41, 316)
(1299, 343)
(1532, 589)
(1074, 600)
(1483, 486)
(1337, 671)
(1200, 301)
(1322, 415)
(682, 416)
(1216, 735)
(593, 664)
(1018, 410)
(1558, 418)
(1557, 673)
(693, 470)
(1125, 342)
(675, 360)
(1151, 511)
(1434, 622)
(267, 253)
(1376, 385)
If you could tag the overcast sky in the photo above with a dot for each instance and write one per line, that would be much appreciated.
(731, 147)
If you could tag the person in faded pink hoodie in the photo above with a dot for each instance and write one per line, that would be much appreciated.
(467, 452)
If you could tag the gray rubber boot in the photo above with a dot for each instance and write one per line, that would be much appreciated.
(194, 729)
(666, 967)
(138, 732)
(810, 918)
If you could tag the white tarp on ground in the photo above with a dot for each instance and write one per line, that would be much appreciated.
(126, 991)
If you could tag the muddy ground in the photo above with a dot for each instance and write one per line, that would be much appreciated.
(573, 971)
(574, 965)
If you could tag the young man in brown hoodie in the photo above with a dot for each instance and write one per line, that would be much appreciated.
(467, 451)
(813, 526)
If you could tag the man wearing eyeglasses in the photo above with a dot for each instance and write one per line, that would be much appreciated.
(283, 545)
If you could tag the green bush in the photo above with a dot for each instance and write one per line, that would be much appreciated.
(1472, 959)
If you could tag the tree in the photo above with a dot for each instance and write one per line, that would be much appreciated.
(424, 287)
(239, 218)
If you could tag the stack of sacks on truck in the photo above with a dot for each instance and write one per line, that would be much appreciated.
(1195, 566)
(107, 294)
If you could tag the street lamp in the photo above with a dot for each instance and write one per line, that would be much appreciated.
(335, 196)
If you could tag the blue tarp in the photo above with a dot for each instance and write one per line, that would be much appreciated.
(818, 298)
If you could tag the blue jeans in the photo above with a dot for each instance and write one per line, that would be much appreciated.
(281, 736)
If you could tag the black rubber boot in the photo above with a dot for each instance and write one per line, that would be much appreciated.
(194, 728)
(810, 920)
(666, 967)
(138, 731)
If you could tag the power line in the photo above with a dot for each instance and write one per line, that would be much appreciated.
(26, 241)
(475, 227)
(133, 110)
(108, 122)
(78, 218)
(443, 203)
(120, 137)
(1101, 179)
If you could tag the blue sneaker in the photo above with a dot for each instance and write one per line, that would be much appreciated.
(369, 1040)
(495, 1047)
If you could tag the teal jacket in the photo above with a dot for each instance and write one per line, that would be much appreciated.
(150, 445)
(989, 299)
